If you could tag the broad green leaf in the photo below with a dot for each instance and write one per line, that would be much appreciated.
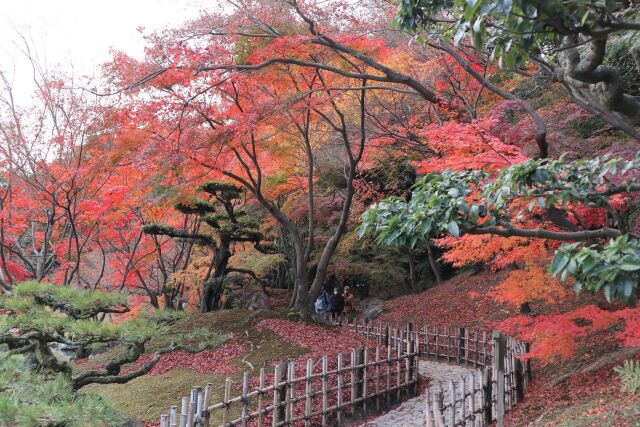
(453, 228)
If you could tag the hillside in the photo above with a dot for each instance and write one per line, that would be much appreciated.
(582, 390)
(253, 340)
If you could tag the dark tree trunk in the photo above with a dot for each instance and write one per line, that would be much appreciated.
(525, 308)
(434, 265)
(213, 287)
(413, 275)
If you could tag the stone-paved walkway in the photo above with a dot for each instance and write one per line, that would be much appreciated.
(411, 412)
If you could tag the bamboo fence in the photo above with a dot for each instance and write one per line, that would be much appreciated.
(499, 379)
(325, 391)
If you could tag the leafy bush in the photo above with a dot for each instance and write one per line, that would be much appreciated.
(528, 89)
(28, 399)
(619, 55)
(588, 126)
(629, 375)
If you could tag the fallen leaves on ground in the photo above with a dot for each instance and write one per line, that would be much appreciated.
(217, 360)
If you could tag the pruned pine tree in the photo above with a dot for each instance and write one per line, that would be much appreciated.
(38, 315)
(228, 224)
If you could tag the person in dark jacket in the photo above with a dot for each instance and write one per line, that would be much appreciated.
(337, 304)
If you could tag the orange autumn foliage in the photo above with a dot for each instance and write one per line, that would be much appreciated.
(532, 283)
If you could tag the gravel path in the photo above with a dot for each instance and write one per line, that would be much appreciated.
(411, 412)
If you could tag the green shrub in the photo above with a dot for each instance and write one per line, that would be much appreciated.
(629, 375)
(528, 89)
(619, 55)
(588, 126)
(28, 399)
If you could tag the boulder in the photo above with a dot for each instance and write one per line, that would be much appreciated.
(258, 301)
(372, 308)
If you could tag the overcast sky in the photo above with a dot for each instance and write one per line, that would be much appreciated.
(81, 32)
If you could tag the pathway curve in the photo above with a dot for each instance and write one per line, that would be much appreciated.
(411, 412)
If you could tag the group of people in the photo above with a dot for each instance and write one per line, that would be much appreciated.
(336, 304)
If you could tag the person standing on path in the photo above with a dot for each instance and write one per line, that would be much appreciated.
(350, 301)
(337, 305)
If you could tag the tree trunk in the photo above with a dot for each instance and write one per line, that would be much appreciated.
(434, 266)
(413, 275)
(302, 277)
(213, 287)
(332, 244)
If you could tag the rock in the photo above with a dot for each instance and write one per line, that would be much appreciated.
(372, 308)
(67, 351)
(259, 301)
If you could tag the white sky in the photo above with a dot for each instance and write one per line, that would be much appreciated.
(81, 32)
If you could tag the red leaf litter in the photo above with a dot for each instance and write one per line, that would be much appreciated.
(215, 361)
(320, 341)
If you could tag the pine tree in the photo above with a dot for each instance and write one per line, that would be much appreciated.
(228, 225)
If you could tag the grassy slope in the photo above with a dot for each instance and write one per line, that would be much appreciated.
(148, 396)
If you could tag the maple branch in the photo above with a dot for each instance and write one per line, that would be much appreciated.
(541, 127)
(541, 233)
(391, 75)
(292, 61)
(130, 86)
(361, 88)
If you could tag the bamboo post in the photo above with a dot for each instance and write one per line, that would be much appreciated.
(173, 416)
(199, 406)
(291, 393)
(467, 353)
(387, 390)
(452, 396)
(484, 349)
(498, 365)
(308, 393)
(475, 349)
(325, 390)
(358, 382)
(427, 410)
(472, 400)
(437, 347)
(245, 400)
(459, 333)
(518, 368)
(365, 383)
(488, 395)
(193, 402)
(426, 340)
(207, 402)
(510, 389)
(377, 369)
(340, 384)
(387, 335)
(398, 371)
(354, 392)
(261, 398)
(184, 404)
(463, 401)
(227, 396)
(408, 375)
(279, 393)
(438, 412)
